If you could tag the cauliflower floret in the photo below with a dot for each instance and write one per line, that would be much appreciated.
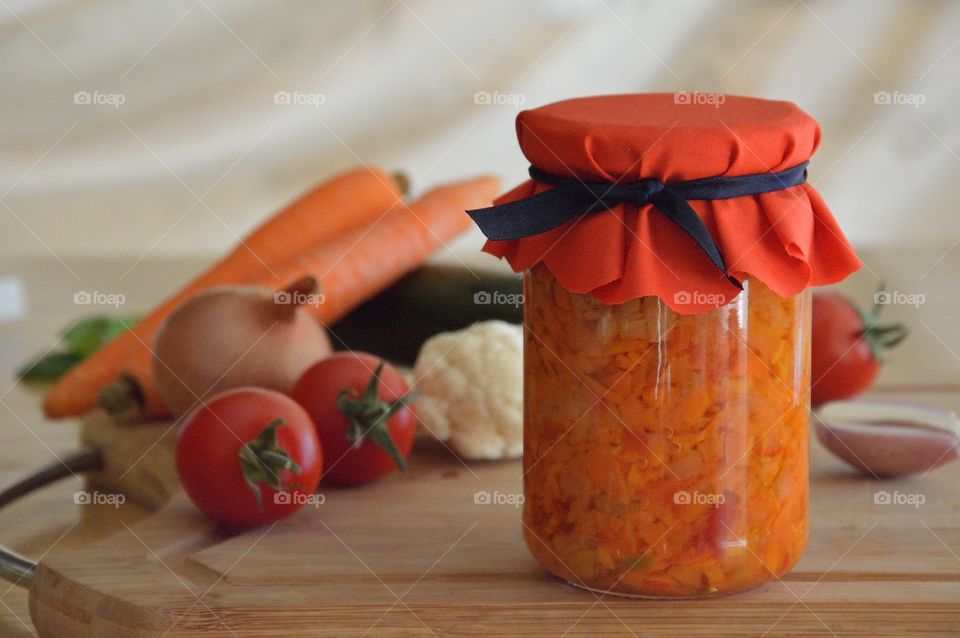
(471, 389)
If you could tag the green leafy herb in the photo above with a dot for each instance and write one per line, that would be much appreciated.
(89, 335)
(78, 342)
(49, 366)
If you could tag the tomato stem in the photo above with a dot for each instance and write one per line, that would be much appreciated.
(881, 338)
(262, 460)
(369, 416)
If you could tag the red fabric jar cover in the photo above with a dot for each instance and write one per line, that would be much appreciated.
(788, 239)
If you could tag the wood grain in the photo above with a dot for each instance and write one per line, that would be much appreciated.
(417, 556)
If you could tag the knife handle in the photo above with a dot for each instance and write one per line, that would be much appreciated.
(15, 568)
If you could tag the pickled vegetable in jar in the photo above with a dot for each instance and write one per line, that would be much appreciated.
(668, 249)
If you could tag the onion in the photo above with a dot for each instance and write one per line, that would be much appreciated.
(233, 336)
(887, 439)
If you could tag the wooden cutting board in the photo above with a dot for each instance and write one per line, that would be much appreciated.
(417, 555)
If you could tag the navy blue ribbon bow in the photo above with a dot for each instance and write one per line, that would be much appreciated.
(571, 198)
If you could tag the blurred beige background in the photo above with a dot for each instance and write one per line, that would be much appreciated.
(139, 140)
(138, 129)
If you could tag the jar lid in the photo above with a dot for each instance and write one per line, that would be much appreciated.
(786, 238)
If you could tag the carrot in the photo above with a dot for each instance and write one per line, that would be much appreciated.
(347, 201)
(362, 262)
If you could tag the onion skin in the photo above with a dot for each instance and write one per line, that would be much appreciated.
(885, 440)
(234, 336)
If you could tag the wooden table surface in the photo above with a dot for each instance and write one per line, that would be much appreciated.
(926, 369)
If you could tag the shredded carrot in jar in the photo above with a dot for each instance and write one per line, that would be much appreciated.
(665, 455)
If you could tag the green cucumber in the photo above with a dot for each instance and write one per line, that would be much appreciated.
(434, 299)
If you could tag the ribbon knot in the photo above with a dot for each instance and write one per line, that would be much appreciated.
(572, 198)
(638, 193)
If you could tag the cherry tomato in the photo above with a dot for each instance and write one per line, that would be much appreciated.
(846, 347)
(249, 456)
(360, 406)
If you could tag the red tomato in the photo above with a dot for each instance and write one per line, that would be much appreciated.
(365, 424)
(220, 460)
(845, 347)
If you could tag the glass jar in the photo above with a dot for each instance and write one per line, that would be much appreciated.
(665, 454)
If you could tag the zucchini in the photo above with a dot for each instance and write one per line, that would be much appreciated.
(434, 299)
